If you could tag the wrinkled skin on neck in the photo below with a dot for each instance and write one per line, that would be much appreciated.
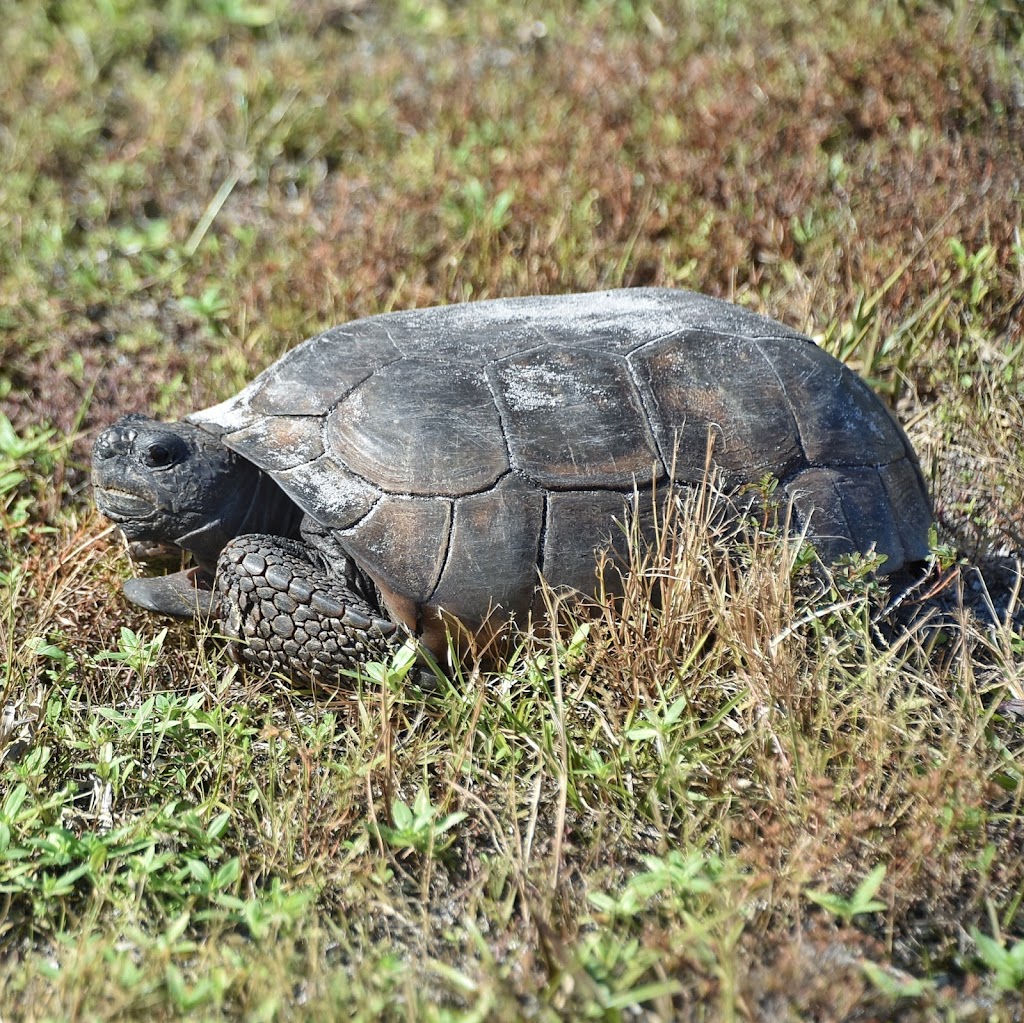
(174, 484)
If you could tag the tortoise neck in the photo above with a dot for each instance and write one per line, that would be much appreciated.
(271, 510)
(268, 510)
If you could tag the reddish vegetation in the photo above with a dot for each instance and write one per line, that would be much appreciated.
(626, 162)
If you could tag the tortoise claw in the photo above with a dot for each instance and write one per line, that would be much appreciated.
(182, 594)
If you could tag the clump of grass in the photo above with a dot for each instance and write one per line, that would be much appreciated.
(677, 803)
(679, 807)
(754, 712)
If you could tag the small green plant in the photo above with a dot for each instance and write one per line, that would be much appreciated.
(422, 827)
(678, 879)
(212, 307)
(394, 672)
(659, 723)
(684, 889)
(15, 449)
(136, 651)
(895, 985)
(862, 901)
(1005, 961)
(619, 969)
(268, 911)
(241, 12)
(59, 661)
(540, 667)
(976, 269)
(471, 208)
(25, 461)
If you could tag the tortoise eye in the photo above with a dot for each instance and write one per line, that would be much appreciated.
(160, 455)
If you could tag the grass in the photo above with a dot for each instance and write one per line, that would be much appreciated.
(771, 796)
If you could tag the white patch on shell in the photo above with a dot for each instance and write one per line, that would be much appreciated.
(231, 415)
(639, 315)
(533, 388)
(328, 492)
(338, 496)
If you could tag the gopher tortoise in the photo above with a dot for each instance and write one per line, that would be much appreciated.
(411, 472)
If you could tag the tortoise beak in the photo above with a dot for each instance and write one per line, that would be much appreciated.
(120, 505)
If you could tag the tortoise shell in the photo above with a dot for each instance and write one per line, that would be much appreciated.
(457, 452)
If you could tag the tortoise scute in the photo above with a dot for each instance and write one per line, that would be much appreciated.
(848, 510)
(328, 492)
(421, 427)
(907, 498)
(572, 416)
(492, 557)
(709, 388)
(840, 420)
(231, 415)
(403, 543)
(599, 515)
(275, 443)
(311, 379)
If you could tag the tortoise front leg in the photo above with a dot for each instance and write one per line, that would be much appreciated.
(283, 612)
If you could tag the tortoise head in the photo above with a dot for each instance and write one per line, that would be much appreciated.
(172, 483)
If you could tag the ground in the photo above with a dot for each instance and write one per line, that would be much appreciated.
(776, 797)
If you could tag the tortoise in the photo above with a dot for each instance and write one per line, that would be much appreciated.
(412, 472)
